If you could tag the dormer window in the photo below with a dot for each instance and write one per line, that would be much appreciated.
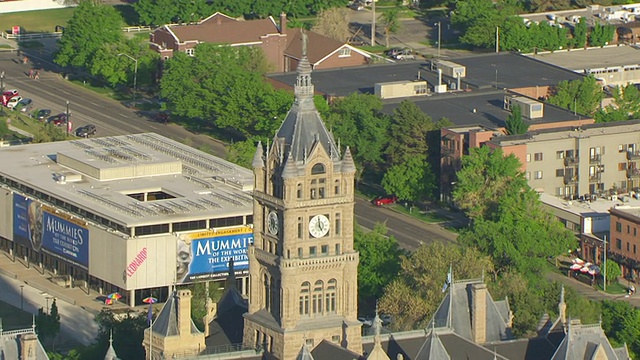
(317, 169)
(344, 52)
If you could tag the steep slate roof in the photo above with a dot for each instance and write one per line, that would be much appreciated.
(432, 348)
(455, 312)
(10, 346)
(303, 128)
(585, 342)
(166, 324)
(220, 29)
(328, 350)
(304, 353)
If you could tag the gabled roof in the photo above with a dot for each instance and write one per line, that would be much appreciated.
(304, 353)
(328, 350)
(432, 348)
(455, 312)
(10, 347)
(322, 48)
(221, 29)
(166, 324)
(585, 342)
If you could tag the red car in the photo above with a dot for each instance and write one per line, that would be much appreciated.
(58, 120)
(384, 200)
(7, 95)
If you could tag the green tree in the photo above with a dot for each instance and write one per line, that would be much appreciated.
(621, 322)
(580, 34)
(391, 22)
(54, 319)
(515, 124)
(479, 19)
(411, 180)
(413, 296)
(485, 177)
(581, 96)
(111, 65)
(626, 105)
(241, 153)
(601, 35)
(220, 86)
(379, 263)
(49, 133)
(613, 271)
(408, 133)
(92, 27)
(4, 128)
(333, 23)
(357, 120)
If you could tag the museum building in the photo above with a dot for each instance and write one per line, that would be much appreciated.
(133, 214)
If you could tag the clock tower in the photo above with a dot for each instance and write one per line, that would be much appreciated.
(303, 267)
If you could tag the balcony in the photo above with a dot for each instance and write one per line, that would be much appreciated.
(633, 155)
(595, 177)
(633, 173)
(571, 161)
(594, 159)
(448, 151)
(570, 180)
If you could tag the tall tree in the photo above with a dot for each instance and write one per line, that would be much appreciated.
(580, 33)
(413, 296)
(391, 22)
(333, 23)
(411, 180)
(92, 27)
(626, 105)
(408, 133)
(485, 177)
(357, 120)
(111, 65)
(601, 35)
(515, 124)
(379, 263)
(582, 96)
(221, 86)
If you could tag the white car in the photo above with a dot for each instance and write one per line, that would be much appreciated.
(13, 101)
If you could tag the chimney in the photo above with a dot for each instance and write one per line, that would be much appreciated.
(28, 346)
(283, 23)
(184, 312)
(479, 313)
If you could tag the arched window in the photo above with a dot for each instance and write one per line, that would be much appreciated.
(317, 169)
(336, 187)
(305, 289)
(318, 289)
(330, 296)
(267, 292)
(299, 191)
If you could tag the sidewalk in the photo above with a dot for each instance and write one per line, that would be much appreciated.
(33, 277)
(589, 292)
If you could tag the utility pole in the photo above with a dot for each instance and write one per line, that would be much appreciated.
(373, 23)
(497, 39)
(604, 286)
(439, 35)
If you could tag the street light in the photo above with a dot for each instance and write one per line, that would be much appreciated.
(135, 75)
(21, 297)
(2, 81)
(48, 298)
(439, 24)
(68, 118)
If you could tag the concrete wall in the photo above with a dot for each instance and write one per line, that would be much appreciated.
(29, 5)
(6, 208)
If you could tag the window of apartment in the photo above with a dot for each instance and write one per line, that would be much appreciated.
(635, 231)
(628, 229)
(537, 157)
(344, 52)
(628, 246)
(559, 172)
(618, 226)
(559, 191)
(618, 244)
(622, 166)
(190, 52)
(528, 157)
(538, 175)
(560, 154)
(634, 248)
(528, 175)
(622, 148)
(420, 89)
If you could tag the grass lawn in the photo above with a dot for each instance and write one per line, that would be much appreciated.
(36, 21)
(13, 318)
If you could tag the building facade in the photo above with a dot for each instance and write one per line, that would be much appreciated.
(131, 214)
(624, 244)
(303, 266)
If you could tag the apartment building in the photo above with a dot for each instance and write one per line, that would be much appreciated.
(593, 160)
(624, 246)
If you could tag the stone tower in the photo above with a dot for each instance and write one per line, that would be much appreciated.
(302, 265)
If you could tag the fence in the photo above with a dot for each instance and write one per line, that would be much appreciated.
(136, 28)
(21, 37)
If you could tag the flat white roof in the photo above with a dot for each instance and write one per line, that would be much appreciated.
(98, 175)
(599, 207)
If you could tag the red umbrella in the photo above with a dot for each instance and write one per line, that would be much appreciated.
(584, 269)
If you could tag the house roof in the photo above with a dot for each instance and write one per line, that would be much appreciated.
(585, 342)
(322, 46)
(220, 29)
(328, 350)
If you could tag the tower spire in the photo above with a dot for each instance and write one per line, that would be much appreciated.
(304, 88)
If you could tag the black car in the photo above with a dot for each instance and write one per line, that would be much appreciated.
(86, 131)
(43, 114)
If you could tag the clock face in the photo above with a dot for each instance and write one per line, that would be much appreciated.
(319, 226)
(272, 223)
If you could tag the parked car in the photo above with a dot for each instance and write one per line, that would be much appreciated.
(356, 5)
(405, 54)
(384, 200)
(13, 101)
(43, 114)
(57, 120)
(86, 131)
(393, 51)
(24, 105)
(7, 95)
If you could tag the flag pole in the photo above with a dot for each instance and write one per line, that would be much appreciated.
(150, 319)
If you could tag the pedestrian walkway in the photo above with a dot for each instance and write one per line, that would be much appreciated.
(591, 293)
(40, 279)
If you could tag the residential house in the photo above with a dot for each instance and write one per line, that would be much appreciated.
(282, 46)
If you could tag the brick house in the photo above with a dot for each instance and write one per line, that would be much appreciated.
(281, 45)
